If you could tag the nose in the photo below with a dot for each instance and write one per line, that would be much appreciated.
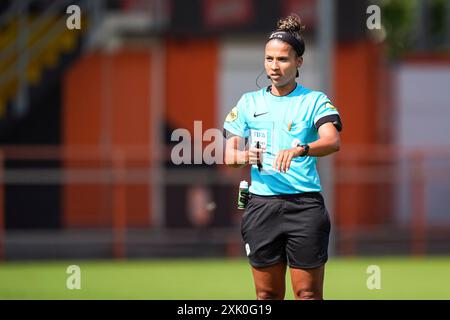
(274, 65)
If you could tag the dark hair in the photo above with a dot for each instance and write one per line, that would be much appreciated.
(293, 25)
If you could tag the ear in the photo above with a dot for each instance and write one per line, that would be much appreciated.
(299, 62)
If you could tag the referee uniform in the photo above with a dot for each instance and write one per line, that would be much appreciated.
(285, 219)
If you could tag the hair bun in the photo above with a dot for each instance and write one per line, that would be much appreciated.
(291, 24)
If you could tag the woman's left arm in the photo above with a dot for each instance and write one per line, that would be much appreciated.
(329, 141)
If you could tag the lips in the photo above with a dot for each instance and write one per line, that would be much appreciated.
(276, 76)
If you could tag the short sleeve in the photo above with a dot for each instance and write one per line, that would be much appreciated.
(325, 112)
(235, 123)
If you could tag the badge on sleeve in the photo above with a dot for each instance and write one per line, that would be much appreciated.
(232, 115)
(330, 106)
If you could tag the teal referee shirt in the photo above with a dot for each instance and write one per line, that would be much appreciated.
(279, 123)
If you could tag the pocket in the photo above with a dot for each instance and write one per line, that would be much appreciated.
(261, 131)
(295, 134)
(298, 128)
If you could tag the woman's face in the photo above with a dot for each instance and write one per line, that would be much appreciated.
(281, 62)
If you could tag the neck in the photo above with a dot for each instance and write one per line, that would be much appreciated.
(284, 90)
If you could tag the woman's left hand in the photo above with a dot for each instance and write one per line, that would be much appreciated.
(283, 161)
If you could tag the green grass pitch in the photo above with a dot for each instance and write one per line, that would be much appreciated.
(401, 278)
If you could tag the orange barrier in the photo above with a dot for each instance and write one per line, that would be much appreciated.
(107, 104)
(119, 209)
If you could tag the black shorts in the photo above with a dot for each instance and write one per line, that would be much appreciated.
(287, 228)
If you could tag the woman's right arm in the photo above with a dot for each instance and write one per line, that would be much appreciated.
(234, 157)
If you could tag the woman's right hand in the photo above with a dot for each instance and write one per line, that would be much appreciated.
(255, 155)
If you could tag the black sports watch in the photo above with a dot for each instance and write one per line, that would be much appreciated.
(305, 149)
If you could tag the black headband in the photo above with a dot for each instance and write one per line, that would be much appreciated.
(298, 46)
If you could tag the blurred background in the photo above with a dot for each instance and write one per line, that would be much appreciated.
(87, 115)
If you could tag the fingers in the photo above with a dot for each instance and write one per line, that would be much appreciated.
(283, 161)
(255, 155)
(278, 161)
(275, 162)
(288, 162)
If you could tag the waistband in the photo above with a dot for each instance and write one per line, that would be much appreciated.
(289, 196)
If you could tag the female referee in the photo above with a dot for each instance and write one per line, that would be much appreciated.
(288, 126)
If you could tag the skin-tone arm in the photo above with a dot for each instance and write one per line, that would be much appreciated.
(329, 142)
(236, 158)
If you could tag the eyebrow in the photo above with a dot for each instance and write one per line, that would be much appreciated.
(279, 57)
